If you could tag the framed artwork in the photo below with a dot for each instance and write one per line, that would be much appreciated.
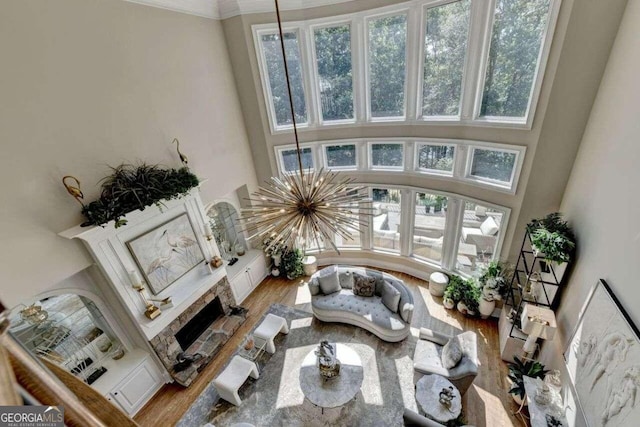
(603, 360)
(167, 252)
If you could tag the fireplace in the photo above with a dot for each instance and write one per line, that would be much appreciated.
(200, 322)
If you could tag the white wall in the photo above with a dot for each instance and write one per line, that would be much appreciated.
(602, 199)
(90, 83)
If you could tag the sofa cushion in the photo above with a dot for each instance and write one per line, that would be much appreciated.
(451, 353)
(390, 297)
(346, 279)
(329, 283)
(406, 311)
(314, 286)
(363, 286)
(489, 227)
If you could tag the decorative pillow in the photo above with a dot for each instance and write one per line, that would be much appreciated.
(451, 354)
(346, 280)
(363, 286)
(380, 284)
(406, 311)
(314, 286)
(329, 283)
(390, 297)
(489, 227)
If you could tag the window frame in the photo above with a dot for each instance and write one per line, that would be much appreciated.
(424, 143)
(515, 172)
(371, 143)
(280, 160)
(325, 158)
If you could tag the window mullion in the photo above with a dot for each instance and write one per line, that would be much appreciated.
(412, 69)
(406, 220)
(358, 67)
(452, 230)
(309, 76)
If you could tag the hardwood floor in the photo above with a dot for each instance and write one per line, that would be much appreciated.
(486, 403)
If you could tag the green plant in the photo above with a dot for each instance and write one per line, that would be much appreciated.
(493, 280)
(453, 291)
(470, 295)
(292, 263)
(553, 237)
(132, 187)
(520, 368)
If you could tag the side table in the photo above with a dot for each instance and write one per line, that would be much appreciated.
(538, 413)
(428, 391)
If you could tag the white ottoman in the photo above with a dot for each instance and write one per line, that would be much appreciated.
(309, 265)
(271, 326)
(231, 379)
(438, 283)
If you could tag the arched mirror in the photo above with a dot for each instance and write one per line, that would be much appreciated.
(70, 331)
(223, 220)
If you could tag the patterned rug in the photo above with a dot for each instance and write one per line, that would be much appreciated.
(275, 399)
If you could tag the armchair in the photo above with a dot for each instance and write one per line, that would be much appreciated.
(427, 358)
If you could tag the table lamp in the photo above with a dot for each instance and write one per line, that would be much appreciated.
(537, 322)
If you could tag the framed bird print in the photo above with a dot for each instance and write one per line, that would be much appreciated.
(166, 253)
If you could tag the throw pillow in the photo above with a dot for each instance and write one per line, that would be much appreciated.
(329, 283)
(406, 311)
(346, 280)
(489, 227)
(314, 286)
(363, 286)
(451, 354)
(390, 297)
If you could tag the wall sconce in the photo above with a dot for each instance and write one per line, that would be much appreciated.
(151, 311)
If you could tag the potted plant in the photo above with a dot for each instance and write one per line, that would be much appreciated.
(452, 293)
(438, 203)
(273, 250)
(493, 284)
(517, 370)
(292, 263)
(553, 240)
(469, 297)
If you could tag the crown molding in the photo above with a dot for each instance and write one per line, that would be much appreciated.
(204, 8)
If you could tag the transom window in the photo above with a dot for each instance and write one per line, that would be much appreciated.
(436, 158)
(474, 62)
(493, 165)
(289, 160)
(388, 155)
(343, 156)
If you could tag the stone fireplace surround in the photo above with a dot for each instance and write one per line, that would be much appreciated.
(210, 341)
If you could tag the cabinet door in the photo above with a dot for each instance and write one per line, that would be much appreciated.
(241, 286)
(257, 271)
(137, 388)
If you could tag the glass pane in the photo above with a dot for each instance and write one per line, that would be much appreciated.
(428, 229)
(481, 227)
(445, 48)
(290, 159)
(493, 165)
(354, 233)
(386, 219)
(513, 56)
(436, 157)
(278, 81)
(341, 156)
(387, 155)
(333, 53)
(387, 37)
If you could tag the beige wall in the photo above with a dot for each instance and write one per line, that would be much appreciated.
(583, 36)
(91, 83)
(601, 200)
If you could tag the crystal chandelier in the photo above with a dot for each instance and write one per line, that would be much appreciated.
(307, 207)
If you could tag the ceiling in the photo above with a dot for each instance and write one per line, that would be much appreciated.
(223, 9)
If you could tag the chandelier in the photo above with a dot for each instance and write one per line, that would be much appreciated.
(305, 207)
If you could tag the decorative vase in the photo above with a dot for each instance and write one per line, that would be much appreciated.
(486, 308)
(276, 259)
(448, 303)
(275, 272)
(239, 249)
(462, 307)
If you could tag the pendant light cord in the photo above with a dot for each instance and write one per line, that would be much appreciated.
(286, 73)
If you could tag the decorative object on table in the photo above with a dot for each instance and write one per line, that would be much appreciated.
(543, 401)
(239, 248)
(552, 421)
(167, 252)
(130, 188)
(151, 311)
(554, 379)
(328, 363)
(446, 396)
(428, 392)
(216, 262)
(519, 369)
(118, 353)
(74, 190)
(292, 263)
(184, 360)
(233, 261)
(543, 395)
(603, 360)
(163, 303)
(249, 343)
(34, 314)
(183, 158)
(553, 240)
(537, 322)
(493, 285)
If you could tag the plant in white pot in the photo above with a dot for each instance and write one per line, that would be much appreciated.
(493, 281)
(469, 298)
(517, 370)
(452, 293)
(273, 250)
(552, 240)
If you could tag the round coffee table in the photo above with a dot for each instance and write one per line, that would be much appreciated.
(335, 391)
(428, 391)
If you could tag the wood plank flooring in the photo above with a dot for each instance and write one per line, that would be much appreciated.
(486, 403)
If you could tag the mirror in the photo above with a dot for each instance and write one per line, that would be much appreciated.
(223, 220)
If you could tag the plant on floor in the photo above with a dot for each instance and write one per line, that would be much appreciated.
(453, 291)
(520, 368)
(553, 237)
(131, 187)
(493, 280)
(470, 297)
(292, 263)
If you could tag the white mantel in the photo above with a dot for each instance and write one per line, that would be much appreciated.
(107, 245)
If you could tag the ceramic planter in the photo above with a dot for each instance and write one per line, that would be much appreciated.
(448, 303)
(462, 307)
(275, 272)
(276, 259)
(486, 308)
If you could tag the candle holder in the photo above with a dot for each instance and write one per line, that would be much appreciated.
(151, 311)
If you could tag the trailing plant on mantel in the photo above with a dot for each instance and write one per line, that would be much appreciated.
(132, 187)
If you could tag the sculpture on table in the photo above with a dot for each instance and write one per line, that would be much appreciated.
(328, 363)
(446, 397)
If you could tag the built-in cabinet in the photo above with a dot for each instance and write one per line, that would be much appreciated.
(246, 274)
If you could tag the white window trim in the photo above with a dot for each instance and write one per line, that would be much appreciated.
(515, 172)
(392, 141)
(279, 160)
(421, 143)
(473, 79)
(325, 159)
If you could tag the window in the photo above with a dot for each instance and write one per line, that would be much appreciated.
(435, 158)
(493, 165)
(387, 65)
(333, 62)
(289, 160)
(445, 49)
(354, 233)
(516, 40)
(341, 156)
(386, 219)
(429, 225)
(277, 80)
(387, 155)
(481, 228)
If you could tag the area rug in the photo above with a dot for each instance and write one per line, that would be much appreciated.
(275, 398)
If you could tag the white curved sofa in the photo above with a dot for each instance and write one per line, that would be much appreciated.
(368, 313)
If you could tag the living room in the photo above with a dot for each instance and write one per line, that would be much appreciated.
(445, 133)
